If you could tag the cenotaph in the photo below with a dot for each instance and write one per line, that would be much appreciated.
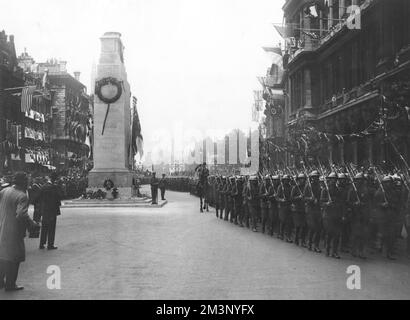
(112, 118)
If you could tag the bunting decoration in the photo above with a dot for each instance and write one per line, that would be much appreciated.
(27, 98)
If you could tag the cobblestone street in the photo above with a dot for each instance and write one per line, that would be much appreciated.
(176, 252)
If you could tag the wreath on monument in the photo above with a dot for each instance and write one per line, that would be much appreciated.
(108, 100)
(109, 186)
(105, 82)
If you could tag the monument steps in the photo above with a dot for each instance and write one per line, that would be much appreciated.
(118, 203)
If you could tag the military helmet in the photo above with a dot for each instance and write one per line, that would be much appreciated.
(301, 176)
(276, 177)
(253, 178)
(314, 173)
(359, 176)
(286, 177)
(232, 179)
(396, 177)
(387, 179)
(267, 177)
(332, 175)
(342, 176)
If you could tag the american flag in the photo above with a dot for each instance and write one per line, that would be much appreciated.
(27, 98)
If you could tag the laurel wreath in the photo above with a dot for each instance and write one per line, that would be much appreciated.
(108, 184)
(106, 81)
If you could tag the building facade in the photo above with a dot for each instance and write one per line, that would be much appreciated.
(347, 72)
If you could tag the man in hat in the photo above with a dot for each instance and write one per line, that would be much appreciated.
(312, 194)
(49, 203)
(14, 220)
(154, 188)
(162, 186)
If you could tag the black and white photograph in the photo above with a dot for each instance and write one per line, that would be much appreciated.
(203, 155)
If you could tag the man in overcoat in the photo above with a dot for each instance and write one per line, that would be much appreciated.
(14, 220)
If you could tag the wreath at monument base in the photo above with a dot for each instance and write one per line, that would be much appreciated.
(109, 186)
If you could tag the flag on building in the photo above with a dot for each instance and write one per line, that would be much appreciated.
(27, 98)
(137, 139)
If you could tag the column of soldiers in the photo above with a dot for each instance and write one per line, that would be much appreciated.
(341, 211)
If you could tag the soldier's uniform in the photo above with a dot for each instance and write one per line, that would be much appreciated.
(273, 205)
(221, 196)
(332, 215)
(253, 199)
(227, 199)
(237, 200)
(388, 206)
(298, 210)
(344, 188)
(360, 214)
(232, 183)
(313, 212)
(264, 201)
(215, 192)
(285, 215)
(245, 211)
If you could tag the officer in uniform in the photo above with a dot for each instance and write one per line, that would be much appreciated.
(252, 195)
(154, 188)
(298, 210)
(359, 201)
(312, 194)
(331, 201)
(285, 216)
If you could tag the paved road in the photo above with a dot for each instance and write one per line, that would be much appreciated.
(176, 252)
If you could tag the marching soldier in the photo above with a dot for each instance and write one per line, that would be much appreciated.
(332, 215)
(264, 201)
(273, 204)
(237, 200)
(359, 200)
(227, 198)
(245, 211)
(252, 199)
(215, 191)
(298, 209)
(285, 217)
(221, 196)
(387, 201)
(343, 188)
(312, 194)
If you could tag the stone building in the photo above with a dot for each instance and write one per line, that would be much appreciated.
(347, 79)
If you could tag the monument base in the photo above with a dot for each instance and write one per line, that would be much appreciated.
(120, 178)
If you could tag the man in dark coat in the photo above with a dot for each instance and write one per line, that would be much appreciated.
(312, 194)
(50, 202)
(163, 186)
(154, 188)
(14, 220)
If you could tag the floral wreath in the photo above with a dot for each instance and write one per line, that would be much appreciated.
(105, 81)
(108, 184)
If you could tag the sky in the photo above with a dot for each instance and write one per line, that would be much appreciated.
(192, 64)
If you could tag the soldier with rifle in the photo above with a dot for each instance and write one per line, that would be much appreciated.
(285, 216)
(298, 210)
(312, 194)
(264, 201)
(238, 200)
(252, 195)
(273, 204)
(359, 200)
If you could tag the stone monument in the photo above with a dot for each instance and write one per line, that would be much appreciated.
(112, 118)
